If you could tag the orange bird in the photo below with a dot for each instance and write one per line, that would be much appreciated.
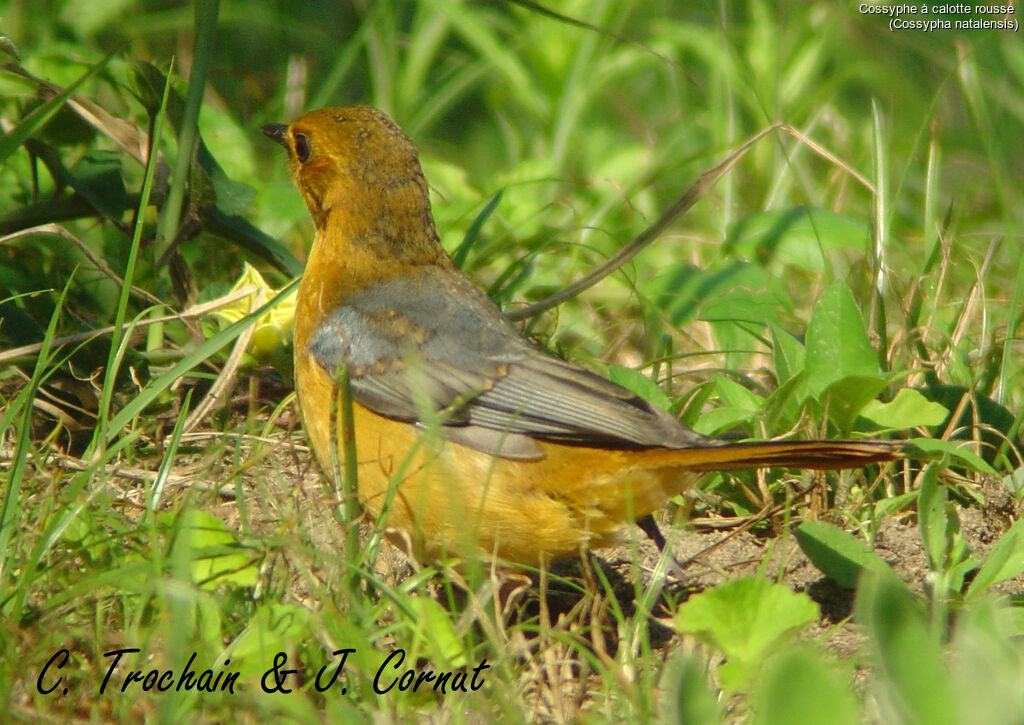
(468, 439)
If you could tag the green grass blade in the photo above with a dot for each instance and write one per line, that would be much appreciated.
(35, 120)
(879, 257)
(118, 339)
(24, 438)
(473, 233)
(202, 351)
(202, 59)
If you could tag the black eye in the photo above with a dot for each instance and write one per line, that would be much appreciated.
(303, 151)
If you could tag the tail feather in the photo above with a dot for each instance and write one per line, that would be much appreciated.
(819, 455)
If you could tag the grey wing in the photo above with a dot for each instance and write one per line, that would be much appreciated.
(437, 342)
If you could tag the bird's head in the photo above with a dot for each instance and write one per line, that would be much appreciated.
(355, 165)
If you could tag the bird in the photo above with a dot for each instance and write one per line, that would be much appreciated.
(469, 440)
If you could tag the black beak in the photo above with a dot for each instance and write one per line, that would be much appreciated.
(277, 132)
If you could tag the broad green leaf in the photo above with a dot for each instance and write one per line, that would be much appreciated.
(959, 451)
(837, 342)
(980, 407)
(89, 18)
(217, 557)
(842, 556)
(845, 399)
(721, 419)
(979, 415)
(238, 230)
(987, 663)
(8, 47)
(687, 697)
(783, 407)
(888, 506)
(745, 619)
(742, 304)
(676, 292)
(788, 354)
(737, 396)
(800, 686)
(272, 628)
(1015, 481)
(740, 407)
(277, 208)
(908, 409)
(97, 177)
(221, 131)
(232, 197)
(796, 237)
(718, 294)
(738, 305)
(436, 633)
(640, 384)
(912, 674)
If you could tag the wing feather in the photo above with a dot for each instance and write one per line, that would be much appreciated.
(436, 340)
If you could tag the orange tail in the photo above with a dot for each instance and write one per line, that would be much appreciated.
(821, 455)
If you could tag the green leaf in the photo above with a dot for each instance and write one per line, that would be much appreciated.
(934, 517)
(735, 395)
(912, 674)
(799, 686)
(741, 304)
(8, 47)
(97, 177)
(837, 342)
(216, 556)
(721, 419)
(745, 619)
(262, 246)
(232, 197)
(221, 131)
(1014, 482)
(956, 450)
(436, 634)
(889, 506)
(788, 354)
(13, 140)
(640, 384)
(783, 407)
(845, 399)
(842, 556)
(908, 409)
(676, 292)
(473, 233)
(796, 237)
(741, 406)
(194, 357)
(980, 416)
(272, 628)
(721, 294)
(89, 18)
(987, 664)
(687, 697)
(1005, 561)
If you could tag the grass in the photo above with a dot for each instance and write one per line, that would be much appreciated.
(857, 276)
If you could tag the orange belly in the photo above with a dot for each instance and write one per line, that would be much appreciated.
(451, 499)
